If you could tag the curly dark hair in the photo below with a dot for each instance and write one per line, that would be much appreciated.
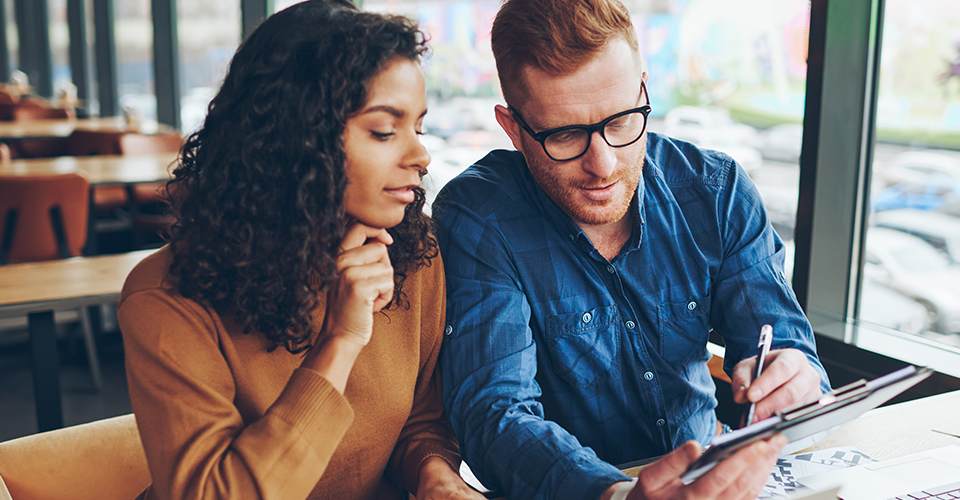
(258, 191)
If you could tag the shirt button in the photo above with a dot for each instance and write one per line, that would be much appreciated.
(573, 237)
(610, 269)
(691, 305)
(661, 422)
(448, 330)
(648, 375)
(587, 317)
(630, 325)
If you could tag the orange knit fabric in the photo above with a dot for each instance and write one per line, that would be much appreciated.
(220, 417)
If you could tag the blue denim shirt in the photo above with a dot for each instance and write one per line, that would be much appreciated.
(557, 363)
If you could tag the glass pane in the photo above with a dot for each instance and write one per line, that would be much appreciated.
(209, 34)
(911, 284)
(59, 43)
(733, 83)
(134, 41)
(718, 79)
(13, 37)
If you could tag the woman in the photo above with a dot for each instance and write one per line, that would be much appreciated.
(283, 344)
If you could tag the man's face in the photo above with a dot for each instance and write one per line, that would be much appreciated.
(596, 188)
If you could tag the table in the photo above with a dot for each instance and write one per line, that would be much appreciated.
(104, 169)
(37, 289)
(60, 128)
(99, 170)
(902, 429)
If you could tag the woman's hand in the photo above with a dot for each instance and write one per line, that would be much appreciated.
(438, 481)
(364, 285)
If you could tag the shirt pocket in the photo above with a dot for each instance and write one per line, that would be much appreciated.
(684, 328)
(584, 347)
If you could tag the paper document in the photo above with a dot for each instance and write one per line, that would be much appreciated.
(784, 477)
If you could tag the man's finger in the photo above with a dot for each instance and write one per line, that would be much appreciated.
(668, 469)
(746, 463)
(741, 378)
(781, 367)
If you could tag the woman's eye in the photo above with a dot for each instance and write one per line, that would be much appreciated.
(381, 136)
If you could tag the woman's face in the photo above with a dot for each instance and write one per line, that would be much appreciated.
(384, 154)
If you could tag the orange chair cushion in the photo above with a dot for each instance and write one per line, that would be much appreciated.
(109, 197)
(34, 238)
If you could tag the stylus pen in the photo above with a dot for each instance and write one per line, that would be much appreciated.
(766, 338)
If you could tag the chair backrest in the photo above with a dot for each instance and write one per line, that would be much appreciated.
(94, 142)
(101, 460)
(149, 144)
(32, 110)
(28, 216)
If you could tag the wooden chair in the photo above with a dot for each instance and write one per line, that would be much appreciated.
(149, 200)
(102, 460)
(45, 218)
(29, 110)
(100, 142)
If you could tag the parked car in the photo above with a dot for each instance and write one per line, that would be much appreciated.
(781, 142)
(922, 168)
(929, 196)
(880, 305)
(713, 128)
(940, 230)
(883, 306)
(914, 268)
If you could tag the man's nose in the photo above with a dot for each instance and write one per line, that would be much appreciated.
(600, 158)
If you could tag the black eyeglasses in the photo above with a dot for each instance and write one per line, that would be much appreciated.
(571, 142)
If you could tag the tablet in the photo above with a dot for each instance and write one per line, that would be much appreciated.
(830, 410)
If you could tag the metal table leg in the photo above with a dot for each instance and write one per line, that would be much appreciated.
(46, 370)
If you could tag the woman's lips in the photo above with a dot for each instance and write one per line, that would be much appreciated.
(403, 194)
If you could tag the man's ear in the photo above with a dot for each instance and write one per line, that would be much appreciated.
(509, 125)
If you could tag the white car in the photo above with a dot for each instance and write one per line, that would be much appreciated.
(713, 128)
(923, 167)
(936, 228)
(880, 305)
(912, 267)
(781, 142)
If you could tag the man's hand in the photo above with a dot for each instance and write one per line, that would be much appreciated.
(438, 481)
(788, 378)
(740, 476)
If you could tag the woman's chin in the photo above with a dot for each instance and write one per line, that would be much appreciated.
(378, 221)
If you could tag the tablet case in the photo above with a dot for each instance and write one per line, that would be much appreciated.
(799, 421)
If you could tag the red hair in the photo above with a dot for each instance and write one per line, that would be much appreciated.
(554, 36)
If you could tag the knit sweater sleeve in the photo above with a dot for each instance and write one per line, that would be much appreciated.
(182, 392)
(426, 432)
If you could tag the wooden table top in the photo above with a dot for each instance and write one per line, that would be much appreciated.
(901, 429)
(106, 169)
(67, 283)
(63, 127)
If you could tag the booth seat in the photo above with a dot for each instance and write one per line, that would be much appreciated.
(101, 460)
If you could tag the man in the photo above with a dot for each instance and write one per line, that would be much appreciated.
(586, 269)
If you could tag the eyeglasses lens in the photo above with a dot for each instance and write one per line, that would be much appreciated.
(571, 143)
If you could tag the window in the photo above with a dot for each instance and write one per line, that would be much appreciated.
(133, 30)
(914, 220)
(209, 34)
